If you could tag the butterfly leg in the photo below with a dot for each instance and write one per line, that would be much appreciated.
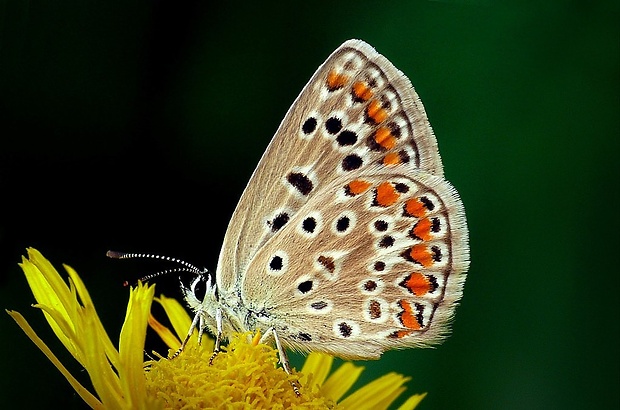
(218, 336)
(189, 334)
(283, 359)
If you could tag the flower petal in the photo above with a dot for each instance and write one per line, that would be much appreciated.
(102, 375)
(318, 364)
(131, 345)
(179, 319)
(378, 394)
(87, 396)
(87, 302)
(341, 380)
(164, 333)
(412, 402)
(50, 290)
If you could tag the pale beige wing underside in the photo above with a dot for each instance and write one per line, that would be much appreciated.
(357, 111)
(372, 263)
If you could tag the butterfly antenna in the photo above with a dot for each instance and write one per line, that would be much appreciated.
(187, 267)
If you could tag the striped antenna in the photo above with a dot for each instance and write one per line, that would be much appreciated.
(187, 267)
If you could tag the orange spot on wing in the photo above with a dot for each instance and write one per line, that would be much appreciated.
(358, 186)
(407, 316)
(418, 284)
(415, 207)
(336, 80)
(386, 194)
(399, 334)
(392, 158)
(375, 112)
(422, 229)
(421, 254)
(384, 137)
(361, 91)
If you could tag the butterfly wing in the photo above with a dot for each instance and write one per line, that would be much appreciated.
(357, 112)
(373, 261)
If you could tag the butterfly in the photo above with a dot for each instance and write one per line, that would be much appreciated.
(347, 239)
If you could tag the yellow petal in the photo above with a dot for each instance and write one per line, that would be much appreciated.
(80, 390)
(318, 365)
(50, 290)
(341, 381)
(412, 402)
(131, 345)
(102, 375)
(378, 394)
(87, 302)
(164, 333)
(60, 321)
(177, 315)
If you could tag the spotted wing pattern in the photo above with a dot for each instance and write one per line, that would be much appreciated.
(357, 115)
(377, 261)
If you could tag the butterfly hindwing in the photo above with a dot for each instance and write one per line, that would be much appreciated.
(357, 271)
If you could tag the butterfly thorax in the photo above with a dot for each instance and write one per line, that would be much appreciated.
(236, 316)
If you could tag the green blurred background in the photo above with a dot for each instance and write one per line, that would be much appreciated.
(134, 126)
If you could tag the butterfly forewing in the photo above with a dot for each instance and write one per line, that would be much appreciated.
(372, 261)
(357, 114)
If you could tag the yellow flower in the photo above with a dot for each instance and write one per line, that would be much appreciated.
(245, 375)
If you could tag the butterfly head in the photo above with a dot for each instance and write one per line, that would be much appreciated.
(201, 295)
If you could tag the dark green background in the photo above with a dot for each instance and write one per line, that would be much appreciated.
(135, 126)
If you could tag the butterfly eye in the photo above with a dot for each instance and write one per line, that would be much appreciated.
(200, 287)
